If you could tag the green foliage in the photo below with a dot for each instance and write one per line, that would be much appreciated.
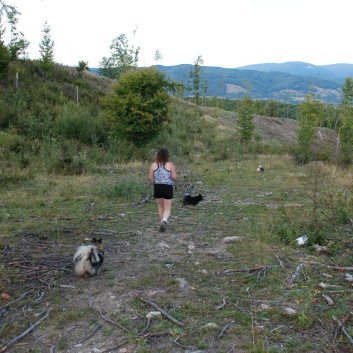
(18, 44)
(4, 60)
(129, 189)
(139, 105)
(309, 113)
(346, 128)
(46, 49)
(123, 58)
(198, 83)
(82, 66)
(245, 122)
(77, 123)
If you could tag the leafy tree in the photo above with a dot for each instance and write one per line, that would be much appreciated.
(82, 66)
(310, 111)
(123, 58)
(346, 128)
(18, 44)
(271, 108)
(139, 104)
(158, 55)
(198, 83)
(245, 122)
(46, 49)
(4, 54)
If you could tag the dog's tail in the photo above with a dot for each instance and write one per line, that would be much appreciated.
(82, 260)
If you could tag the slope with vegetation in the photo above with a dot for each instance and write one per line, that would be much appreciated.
(228, 275)
(229, 272)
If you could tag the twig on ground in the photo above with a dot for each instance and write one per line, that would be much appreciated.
(112, 322)
(143, 201)
(279, 260)
(343, 326)
(295, 275)
(225, 328)
(181, 345)
(248, 270)
(336, 268)
(262, 273)
(8, 345)
(171, 318)
(91, 334)
(327, 299)
(145, 328)
(14, 301)
(219, 307)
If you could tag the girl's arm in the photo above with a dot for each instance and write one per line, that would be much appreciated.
(172, 171)
(150, 174)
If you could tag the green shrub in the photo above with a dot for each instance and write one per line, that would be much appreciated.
(77, 123)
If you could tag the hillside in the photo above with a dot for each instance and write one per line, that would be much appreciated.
(228, 275)
(279, 86)
(335, 72)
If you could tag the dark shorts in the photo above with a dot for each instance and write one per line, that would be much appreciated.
(163, 191)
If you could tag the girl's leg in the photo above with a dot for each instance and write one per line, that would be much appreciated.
(167, 207)
(160, 203)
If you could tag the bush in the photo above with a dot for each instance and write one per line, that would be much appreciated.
(76, 123)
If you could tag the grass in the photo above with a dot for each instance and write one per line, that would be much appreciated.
(266, 210)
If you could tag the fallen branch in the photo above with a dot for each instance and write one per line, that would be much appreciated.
(219, 307)
(225, 328)
(14, 301)
(90, 335)
(262, 273)
(169, 317)
(336, 268)
(248, 270)
(112, 322)
(295, 275)
(343, 326)
(327, 299)
(145, 328)
(4, 348)
(279, 260)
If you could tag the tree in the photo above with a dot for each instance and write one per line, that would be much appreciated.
(346, 128)
(82, 66)
(46, 49)
(18, 44)
(158, 55)
(198, 84)
(271, 108)
(4, 54)
(245, 122)
(139, 105)
(309, 114)
(123, 58)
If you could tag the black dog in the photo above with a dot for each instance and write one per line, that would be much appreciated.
(192, 200)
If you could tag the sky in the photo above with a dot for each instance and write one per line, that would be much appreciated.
(225, 33)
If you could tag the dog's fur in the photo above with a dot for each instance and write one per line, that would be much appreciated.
(192, 200)
(260, 168)
(88, 259)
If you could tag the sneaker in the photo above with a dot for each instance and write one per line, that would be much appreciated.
(163, 226)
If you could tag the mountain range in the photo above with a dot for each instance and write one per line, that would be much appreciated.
(286, 82)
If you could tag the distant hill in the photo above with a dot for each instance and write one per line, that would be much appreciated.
(335, 72)
(280, 86)
(287, 82)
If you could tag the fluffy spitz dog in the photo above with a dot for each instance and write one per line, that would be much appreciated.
(88, 259)
(192, 200)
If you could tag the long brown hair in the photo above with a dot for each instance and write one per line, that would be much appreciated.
(162, 156)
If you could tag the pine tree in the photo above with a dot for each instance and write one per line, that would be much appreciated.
(245, 122)
(346, 128)
(46, 49)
